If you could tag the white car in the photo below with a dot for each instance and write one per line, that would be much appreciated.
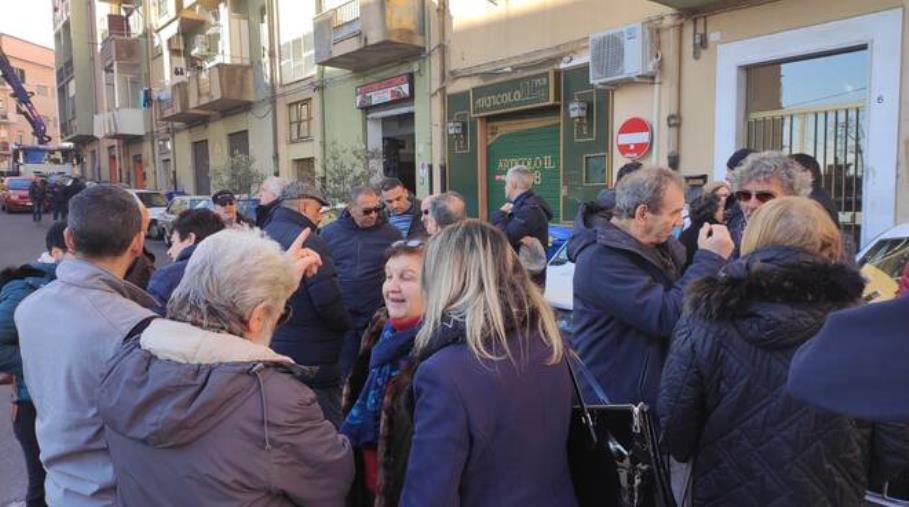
(156, 203)
(178, 205)
(882, 263)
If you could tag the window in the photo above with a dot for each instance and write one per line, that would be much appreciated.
(300, 115)
(297, 50)
(305, 170)
(238, 143)
(20, 73)
(41, 90)
(161, 7)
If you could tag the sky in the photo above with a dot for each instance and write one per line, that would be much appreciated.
(32, 20)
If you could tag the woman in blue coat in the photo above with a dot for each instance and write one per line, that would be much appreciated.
(492, 394)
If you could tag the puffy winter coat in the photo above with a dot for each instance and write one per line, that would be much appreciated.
(315, 332)
(15, 285)
(529, 216)
(194, 417)
(164, 281)
(627, 300)
(723, 403)
(359, 256)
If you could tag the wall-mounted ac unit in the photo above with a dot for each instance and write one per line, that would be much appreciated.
(622, 55)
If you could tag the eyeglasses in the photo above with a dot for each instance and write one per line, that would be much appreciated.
(762, 197)
(408, 243)
(370, 211)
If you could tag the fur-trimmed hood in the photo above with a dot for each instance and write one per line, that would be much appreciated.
(774, 292)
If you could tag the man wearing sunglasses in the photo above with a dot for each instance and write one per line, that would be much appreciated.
(763, 177)
(225, 205)
(357, 241)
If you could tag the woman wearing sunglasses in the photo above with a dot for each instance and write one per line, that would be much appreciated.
(376, 396)
(198, 410)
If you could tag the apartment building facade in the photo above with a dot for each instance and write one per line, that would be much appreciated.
(35, 65)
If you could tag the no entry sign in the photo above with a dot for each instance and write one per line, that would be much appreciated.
(633, 138)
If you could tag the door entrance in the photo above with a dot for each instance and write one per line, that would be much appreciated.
(138, 171)
(533, 143)
(398, 157)
(113, 172)
(200, 167)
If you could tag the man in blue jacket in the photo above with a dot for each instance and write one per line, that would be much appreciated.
(524, 215)
(628, 282)
(357, 242)
(190, 228)
(318, 319)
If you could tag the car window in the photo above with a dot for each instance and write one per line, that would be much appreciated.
(19, 184)
(889, 256)
(177, 206)
(152, 199)
(561, 257)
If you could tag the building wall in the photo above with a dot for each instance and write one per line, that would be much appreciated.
(38, 64)
(289, 151)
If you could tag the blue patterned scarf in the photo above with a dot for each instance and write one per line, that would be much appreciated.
(362, 423)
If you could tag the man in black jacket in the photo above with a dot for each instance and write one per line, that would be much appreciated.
(525, 214)
(269, 199)
(314, 333)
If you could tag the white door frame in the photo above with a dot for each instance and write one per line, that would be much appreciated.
(882, 33)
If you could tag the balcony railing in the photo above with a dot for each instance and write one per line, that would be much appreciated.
(359, 34)
(120, 124)
(117, 49)
(65, 71)
(175, 106)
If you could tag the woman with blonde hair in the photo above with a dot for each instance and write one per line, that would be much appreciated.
(722, 398)
(492, 394)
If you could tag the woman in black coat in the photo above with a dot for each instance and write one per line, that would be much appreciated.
(723, 403)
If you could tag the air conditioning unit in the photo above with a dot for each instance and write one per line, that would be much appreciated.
(204, 46)
(622, 55)
(175, 43)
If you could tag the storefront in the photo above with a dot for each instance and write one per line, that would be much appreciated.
(552, 122)
(390, 127)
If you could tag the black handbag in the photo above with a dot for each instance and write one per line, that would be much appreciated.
(614, 457)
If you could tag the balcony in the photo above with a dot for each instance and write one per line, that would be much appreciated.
(701, 6)
(208, 4)
(363, 34)
(221, 87)
(120, 124)
(65, 71)
(119, 50)
(188, 19)
(176, 108)
(61, 12)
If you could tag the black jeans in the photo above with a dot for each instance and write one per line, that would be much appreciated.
(24, 428)
(37, 210)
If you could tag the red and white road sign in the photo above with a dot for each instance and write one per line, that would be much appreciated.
(633, 138)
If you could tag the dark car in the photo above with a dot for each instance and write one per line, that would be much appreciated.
(14, 196)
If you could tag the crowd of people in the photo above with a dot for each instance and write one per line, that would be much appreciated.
(404, 354)
(57, 194)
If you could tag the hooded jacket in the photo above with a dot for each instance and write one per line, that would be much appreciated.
(359, 256)
(194, 417)
(164, 281)
(529, 216)
(315, 332)
(627, 300)
(723, 402)
(67, 331)
(14, 287)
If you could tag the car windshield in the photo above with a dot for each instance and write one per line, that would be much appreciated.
(152, 199)
(889, 256)
(561, 257)
(19, 184)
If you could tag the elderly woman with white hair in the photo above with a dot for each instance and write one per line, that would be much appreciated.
(198, 410)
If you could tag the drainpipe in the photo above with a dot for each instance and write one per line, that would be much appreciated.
(674, 118)
(320, 89)
(272, 43)
(442, 91)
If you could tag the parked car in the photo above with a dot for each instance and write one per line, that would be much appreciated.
(882, 262)
(179, 204)
(14, 196)
(156, 203)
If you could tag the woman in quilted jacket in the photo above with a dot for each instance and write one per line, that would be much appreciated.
(723, 404)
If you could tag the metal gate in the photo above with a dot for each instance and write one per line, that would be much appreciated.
(834, 136)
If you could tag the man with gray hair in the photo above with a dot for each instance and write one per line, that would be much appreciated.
(314, 334)
(69, 329)
(525, 214)
(628, 283)
(762, 177)
(444, 209)
(269, 198)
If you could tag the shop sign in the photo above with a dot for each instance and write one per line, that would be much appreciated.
(388, 90)
(633, 138)
(524, 93)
